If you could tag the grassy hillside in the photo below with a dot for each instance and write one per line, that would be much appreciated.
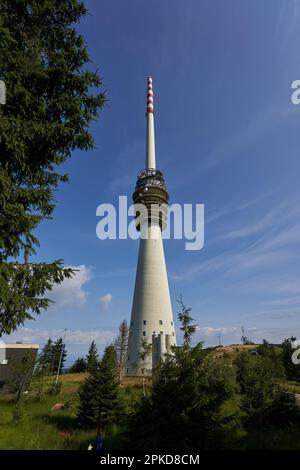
(39, 427)
(34, 425)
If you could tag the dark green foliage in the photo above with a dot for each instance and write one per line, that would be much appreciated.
(45, 358)
(182, 411)
(256, 380)
(279, 410)
(183, 408)
(59, 355)
(264, 403)
(49, 359)
(273, 358)
(54, 388)
(92, 357)
(79, 365)
(100, 403)
(48, 110)
(292, 370)
(22, 287)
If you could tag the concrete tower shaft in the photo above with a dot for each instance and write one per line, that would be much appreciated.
(152, 331)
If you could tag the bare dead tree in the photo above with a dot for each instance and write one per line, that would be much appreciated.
(121, 346)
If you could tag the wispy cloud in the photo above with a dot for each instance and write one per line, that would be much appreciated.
(287, 24)
(71, 292)
(78, 336)
(270, 117)
(208, 331)
(273, 313)
(283, 290)
(120, 272)
(275, 246)
(232, 334)
(255, 227)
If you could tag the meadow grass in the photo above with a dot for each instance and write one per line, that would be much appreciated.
(37, 427)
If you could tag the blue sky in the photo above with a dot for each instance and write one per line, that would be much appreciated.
(227, 136)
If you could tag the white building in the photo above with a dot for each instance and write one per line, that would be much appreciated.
(152, 331)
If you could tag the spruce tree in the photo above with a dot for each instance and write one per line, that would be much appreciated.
(79, 365)
(263, 402)
(59, 355)
(92, 357)
(100, 403)
(51, 99)
(272, 356)
(182, 411)
(45, 358)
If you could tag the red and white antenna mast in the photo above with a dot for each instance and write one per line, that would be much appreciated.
(150, 140)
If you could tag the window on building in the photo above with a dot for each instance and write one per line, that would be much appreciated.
(161, 332)
(171, 323)
(127, 369)
(173, 333)
(144, 322)
(2, 384)
(144, 333)
(142, 370)
(160, 322)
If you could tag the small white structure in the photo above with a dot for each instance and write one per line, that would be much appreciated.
(151, 316)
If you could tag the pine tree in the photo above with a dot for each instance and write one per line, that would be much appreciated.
(59, 355)
(79, 365)
(121, 345)
(49, 358)
(92, 357)
(182, 411)
(100, 403)
(45, 358)
(51, 98)
(273, 357)
(263, 402)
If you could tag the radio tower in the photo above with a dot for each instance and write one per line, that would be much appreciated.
(152, 331)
